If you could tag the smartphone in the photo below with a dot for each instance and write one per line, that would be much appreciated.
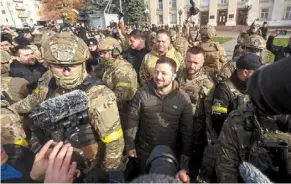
(281, 32)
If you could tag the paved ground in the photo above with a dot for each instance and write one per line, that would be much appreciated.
(229, 47)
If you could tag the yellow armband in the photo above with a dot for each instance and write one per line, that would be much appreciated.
(113, 136)
(219, 109)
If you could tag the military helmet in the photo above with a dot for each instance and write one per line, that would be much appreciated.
(255, 41)
(65, 48)
(208, 31)
(111, 44)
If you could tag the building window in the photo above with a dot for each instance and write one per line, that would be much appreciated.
(223, 1)
(23, 20)
(205, 2)
(3, 11)
(173, 18)
(160, 4)
(174, 4)
(160, 21)
(265, 13)
(288, 13)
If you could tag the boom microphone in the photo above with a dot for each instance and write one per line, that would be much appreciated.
(60, 107)
(250, 174)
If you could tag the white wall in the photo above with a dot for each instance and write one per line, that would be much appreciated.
(11, 14)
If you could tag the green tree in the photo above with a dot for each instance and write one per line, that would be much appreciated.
(93, 6)
(134, 11)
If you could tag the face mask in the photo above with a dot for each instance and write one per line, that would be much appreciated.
(72, 81)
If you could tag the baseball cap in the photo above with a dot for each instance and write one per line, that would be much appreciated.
(92, 41)
(249, 62)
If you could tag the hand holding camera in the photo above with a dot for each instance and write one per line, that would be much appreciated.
(54, 164)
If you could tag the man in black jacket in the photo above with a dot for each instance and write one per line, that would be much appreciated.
(280, 52)
(160, 113)
(93, 61)
(137, 50)
(26, 66)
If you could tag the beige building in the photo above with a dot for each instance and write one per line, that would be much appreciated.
(16, 13)
(221, 12)
(166, 12)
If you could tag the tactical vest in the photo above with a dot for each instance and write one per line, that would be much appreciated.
(88, 137)
(213, 62)
(237, 97)
(195, 97)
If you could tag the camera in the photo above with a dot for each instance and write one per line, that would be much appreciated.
(162, 160)
(74, 129)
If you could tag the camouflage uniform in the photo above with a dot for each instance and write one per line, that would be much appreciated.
(243, 36)
(148, 64)
(181, 45)
(67, 49)
(12, 130)
(239, 47)
(257, 42)
(253, 41)
(225, 98)
(194, 37)
(198, 88)
(5, 65)
(238, 142)
(120, 77)
(151, 39)
(215, 55)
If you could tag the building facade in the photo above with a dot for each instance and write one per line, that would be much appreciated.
(166, 12)
(222, 12)
(18, 13)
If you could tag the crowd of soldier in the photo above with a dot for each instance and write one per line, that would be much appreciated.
(167, 88)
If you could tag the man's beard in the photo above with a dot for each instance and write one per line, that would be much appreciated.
(165, 85)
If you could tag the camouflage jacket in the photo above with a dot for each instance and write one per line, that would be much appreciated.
(121, 78)
(103, 116)
(181, 45)
(238, 142)
(198, 88)
(13, 89)
(12, 131)
(226, 71)
(148, 64)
